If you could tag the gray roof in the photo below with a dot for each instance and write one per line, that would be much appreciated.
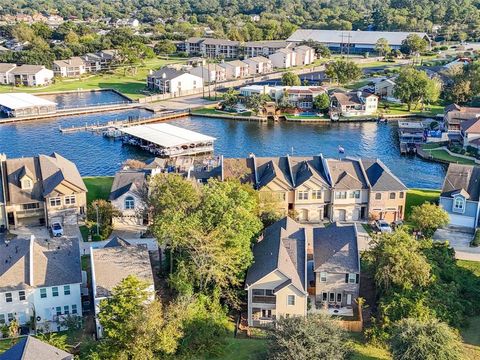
(210, 41)
(5, 67)
(335, 249)
(355, 37)
(462, 177)
(73, 61)
(31, 348)
(116, 241)
(282, 248)
(267, 43)
(113, 264)
(167, 73)
(347, 174)
(127, 180)
(54, 263)
(27, 69)
(257, 59)
(380, 177)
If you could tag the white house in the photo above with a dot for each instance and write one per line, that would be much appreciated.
(30, 75)
(259, 65)
(171, 81)
(235, 69)
(304, 55)
(210, 73)
(283, 58)
(5, 69)
(40, 281)
(353, 103)
(113, 263)
(73, 67)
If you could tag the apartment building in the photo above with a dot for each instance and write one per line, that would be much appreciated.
(210, 73)
(73, 67)
(25, 75)
(213, 48)
(259, 65)
(171, 81)
(235, 69)
(263, 48)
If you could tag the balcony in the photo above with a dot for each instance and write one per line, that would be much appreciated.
(264, 299)
(263, 322)
(29, 213)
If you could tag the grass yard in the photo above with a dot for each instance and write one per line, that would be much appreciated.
(357, 84)
(244, 349)
(441, 154)
(98, 187)
(132, 86)
(402, 109)
(418, 197)
(212, 111)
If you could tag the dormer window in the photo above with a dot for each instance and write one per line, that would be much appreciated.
(459, 204)
(26, 184)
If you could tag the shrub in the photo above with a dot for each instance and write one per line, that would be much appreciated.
(476, 239)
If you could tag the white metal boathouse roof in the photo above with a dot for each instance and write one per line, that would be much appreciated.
(166, 135)
(16, 101)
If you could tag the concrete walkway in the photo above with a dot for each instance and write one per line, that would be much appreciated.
(460, 241)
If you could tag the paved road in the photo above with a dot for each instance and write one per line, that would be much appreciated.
(460, 241)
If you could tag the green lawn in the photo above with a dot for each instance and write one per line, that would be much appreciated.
(357, 84)
(418, 197)
(212, 111)
(402, 109)
(442, 154)
(244, 349)
(98, 187)
(132, 86)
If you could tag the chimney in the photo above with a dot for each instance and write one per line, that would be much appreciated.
(164, 76)
(30, 261)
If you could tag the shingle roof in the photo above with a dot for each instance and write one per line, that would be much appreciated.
(471, 126)
(125, 181)
(462, 177)
(27, 69)
(73, 61)
(346, 174)
(257, 59)
(31, 348)
(267, 43)
(5, 67)
(167, 73)
(55, 168)
(282, 248)
(380, 177)
(335, 249)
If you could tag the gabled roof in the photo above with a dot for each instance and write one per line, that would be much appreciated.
(380, 177)
(347, 174)
(335, 249)
(55, 169)
(73, 61)
(125, 181)
(31, 348)
(268, 169)
(258, 59)
(267, 43)
(27, 69)
(168, 73)
(282, 248)
(462, 177)
(6, 67)
(471, 126)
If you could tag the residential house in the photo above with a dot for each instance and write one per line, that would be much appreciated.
(263, 48)
(30, 75)
(40, 280)
(259, 65)
(470, 132)
(108, 56)
(353, 103)
(460, 195)
(455, 114)
(210, 73)
(128, 196)
(283, 59)
(29, 347)
(93, 62)
(387, 193)
(171, 81)
(385, 88)
(276, 282)
(41, 189)
(250, 90)
(73, 67)
(235, 69)
(5, 69)
(336, 268)
(304, 55)
(303, 97)
(113, 263)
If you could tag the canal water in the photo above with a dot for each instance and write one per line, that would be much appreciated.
(86, 98)
(96, 155)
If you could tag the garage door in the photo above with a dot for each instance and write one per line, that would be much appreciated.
(459, 220)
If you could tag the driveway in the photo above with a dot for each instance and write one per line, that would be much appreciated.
(460, 241)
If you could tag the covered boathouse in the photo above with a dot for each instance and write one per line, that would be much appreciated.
(23, 104)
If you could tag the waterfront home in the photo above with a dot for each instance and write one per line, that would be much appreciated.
(128, 194)
(40, 281)
(353, 103)
(113, 263)
(384, 88)
(276, 283)
(455, 114)
(263, 48)
(210, 73)
(5, 69)
(175, 82)
(29, 347)
(93, 62)
(302, 97)
(460, 195)
(336, 269)
(259, 65)
(30, 75)
(108, 56)
(353, 42)
(42, 189)
(304, 55)
(73, 67)
(470, 132)
(283, 58)
(235, 69)
(250, 90)
(213, 48)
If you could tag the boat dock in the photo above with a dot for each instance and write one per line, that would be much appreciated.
(126, 123)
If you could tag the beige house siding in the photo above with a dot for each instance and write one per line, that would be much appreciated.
(129, 216)
(335, 284)
(387, 208)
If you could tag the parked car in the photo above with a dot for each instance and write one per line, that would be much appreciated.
(383, 226)
(57, 229)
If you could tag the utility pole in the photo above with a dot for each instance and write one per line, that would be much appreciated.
(341, 44)
(209, 87)
(203, 82)
(348, 43)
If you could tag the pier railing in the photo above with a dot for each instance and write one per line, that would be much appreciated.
(103, 104)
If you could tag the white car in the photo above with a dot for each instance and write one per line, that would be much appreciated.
(57, 229)
(383, 226)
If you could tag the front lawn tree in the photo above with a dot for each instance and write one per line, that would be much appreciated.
(343, 71)
(304, 338)
(256, 102)
(230, 99)
(322, 102)
(290, 79)
(414, 339)
(413, 45)
(382, 47)
(164, 47)
(428, 218)
(414, 86)
(99, 217)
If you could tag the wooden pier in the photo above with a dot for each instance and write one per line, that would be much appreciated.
(125, 123)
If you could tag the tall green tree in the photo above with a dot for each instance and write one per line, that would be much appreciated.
(165, 47)
(382, 47)
(413, 87)
(343, 71)
(413, 44)
(428, 218)
(322, 102)
(290, 79)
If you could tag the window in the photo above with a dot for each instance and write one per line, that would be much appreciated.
(129, 203)
(401, 195)
(21, 295)
(54, 291)
(266, 313)
(70, 199)
(302, 195)
(340, 195)
(331, 297)
(458, 204)
(74, 308)
(316, 194)
(27, 184)
(66, 290)
(58, 310)
(355, 194)
(10, 317)
(352, 278)
(323, 276)
(55, 201)
(378, 196)
(393, 196)
(339, 297)
(2, 319)
(30, 206)
(8, 297)
(66, 309)
(324, 296)
(291, 300)
(43, 293)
